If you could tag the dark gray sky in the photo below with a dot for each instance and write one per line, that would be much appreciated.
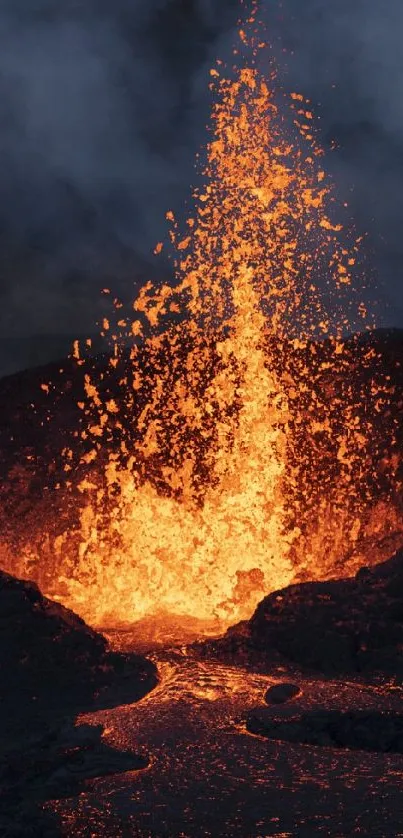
(103, 106)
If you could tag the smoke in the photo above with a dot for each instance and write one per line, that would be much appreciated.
(103, 106)
(99, 131)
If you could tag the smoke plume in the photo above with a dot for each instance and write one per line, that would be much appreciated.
(103, 106)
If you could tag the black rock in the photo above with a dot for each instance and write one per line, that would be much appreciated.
(338, 627)
(52, 667)
(280, 693)
(52, 663)
(50, 659)
(356, 730)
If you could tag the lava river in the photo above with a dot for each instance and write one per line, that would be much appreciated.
(207, 776)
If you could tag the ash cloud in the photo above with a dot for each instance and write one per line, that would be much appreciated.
(98, 134)
(103, 106)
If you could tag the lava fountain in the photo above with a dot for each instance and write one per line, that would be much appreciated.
(224, 459)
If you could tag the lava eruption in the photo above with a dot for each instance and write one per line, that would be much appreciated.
(235, 439)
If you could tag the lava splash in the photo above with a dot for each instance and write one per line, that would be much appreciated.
(230, 453)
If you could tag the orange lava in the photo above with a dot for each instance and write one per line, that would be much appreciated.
(228, 461)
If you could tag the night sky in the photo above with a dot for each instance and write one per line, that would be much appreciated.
(103, 107)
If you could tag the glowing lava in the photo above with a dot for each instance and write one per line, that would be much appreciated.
(219, 465)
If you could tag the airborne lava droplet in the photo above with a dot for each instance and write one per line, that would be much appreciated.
(230, 458)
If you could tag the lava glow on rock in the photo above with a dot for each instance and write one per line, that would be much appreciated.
(226, 463)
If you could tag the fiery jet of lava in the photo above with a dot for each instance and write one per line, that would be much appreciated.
(237, 462)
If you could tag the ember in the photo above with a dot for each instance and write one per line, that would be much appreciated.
(232, 455)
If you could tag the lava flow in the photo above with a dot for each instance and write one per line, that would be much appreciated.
(233, 452)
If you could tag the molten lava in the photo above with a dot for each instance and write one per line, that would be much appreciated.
(231, 455)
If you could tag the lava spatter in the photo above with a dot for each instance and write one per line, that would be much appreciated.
(230, 453)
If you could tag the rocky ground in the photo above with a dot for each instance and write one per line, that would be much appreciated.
(340, 627)
(266, 731)
(52, 667)
(212, 776)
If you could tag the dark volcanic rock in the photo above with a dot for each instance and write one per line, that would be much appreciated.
(339, 626)
(58, 763)
(356, 730)
(49, 658)
(280, 693)
(51, 662)
(54, 766)
(344, 626)
(53, 666)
